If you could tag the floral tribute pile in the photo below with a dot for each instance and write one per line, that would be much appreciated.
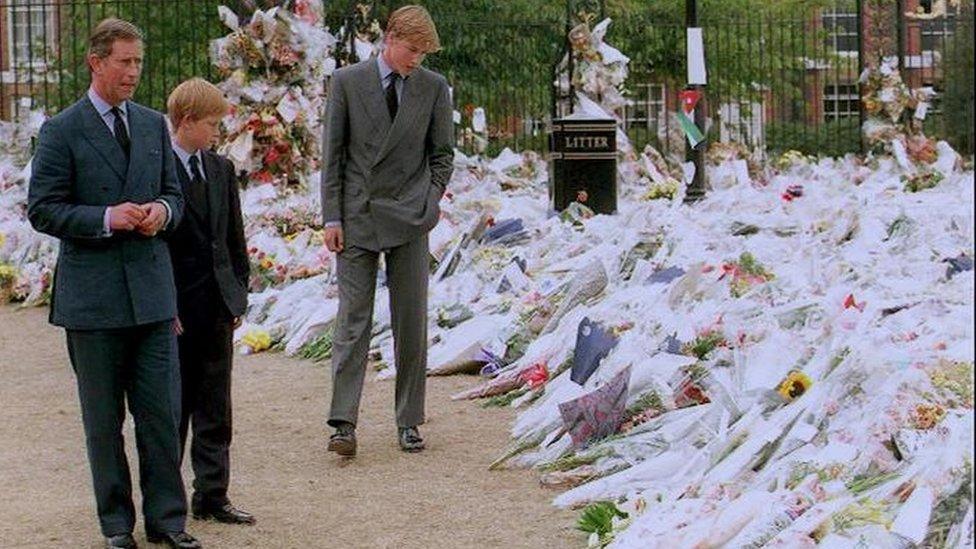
(786, 363)
(895, 116)
(275, 67)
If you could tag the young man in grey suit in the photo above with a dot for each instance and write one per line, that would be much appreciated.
(103, 182)
(389, 152)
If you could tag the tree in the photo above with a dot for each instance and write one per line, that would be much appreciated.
(177, 34)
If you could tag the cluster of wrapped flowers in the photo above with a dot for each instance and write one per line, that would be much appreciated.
(786, 363)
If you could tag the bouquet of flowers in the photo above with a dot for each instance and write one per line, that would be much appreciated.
(8, 277)
(274, 68)
(599, 70)
(744, 273)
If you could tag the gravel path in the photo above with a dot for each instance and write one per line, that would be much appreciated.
(302, 495)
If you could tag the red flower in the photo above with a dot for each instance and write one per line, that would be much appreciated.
(849, 302)
(535, 376)
(729, 269)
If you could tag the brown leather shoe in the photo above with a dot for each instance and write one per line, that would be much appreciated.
(343, 441)
(410, 439)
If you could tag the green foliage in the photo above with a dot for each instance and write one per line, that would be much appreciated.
(703, 344)
(177, 35)
(573, 461)
(648, 401)
(957, 100)
(516, 346)
(505, 399)
(832, 138)
(318, 349)
(950, 511)
(598, 517)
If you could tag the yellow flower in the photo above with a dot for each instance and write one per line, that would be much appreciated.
(795, 384)
(7, 272)
(267, 263)
(257, 340)
(872, 105)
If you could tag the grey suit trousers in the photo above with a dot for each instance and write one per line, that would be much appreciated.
(139, 365)
(407, 272)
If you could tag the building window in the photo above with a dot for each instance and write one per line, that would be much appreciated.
(647, 108)
(841, 101)
(937, 32)
(31, 31)
(840, 25)
(19, 105)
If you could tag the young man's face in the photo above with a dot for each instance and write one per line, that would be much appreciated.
(116, 76)
(199, 134)
(403, 56)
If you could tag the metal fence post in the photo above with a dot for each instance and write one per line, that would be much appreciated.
(696, 190)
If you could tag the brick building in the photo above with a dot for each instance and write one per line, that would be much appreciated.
(828, 80)
(29, 36)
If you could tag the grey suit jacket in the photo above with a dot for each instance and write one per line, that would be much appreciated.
(104, 282)
(383, 179)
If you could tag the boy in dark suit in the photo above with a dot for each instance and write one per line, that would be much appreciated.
(211, 269)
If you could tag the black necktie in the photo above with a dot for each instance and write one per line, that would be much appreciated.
(198, 188)
(391, 95)
(121, 134)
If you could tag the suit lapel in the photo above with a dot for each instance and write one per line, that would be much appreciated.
(101, 138)
(138, 145)
(375, 101)
(215, 188)
(406, 115)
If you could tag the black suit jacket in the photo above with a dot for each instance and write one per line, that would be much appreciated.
(104, 282)
(208, 247)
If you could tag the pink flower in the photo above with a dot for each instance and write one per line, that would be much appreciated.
(305, 12)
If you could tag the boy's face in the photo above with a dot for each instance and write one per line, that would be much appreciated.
(403, 56)
(201, 133)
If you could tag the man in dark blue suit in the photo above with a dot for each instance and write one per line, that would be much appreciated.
(104, 183)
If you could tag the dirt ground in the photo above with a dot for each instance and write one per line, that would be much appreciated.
(301, 495)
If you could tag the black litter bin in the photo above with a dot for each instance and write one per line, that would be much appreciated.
(583, 164)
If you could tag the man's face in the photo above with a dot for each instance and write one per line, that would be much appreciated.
(404, 57)
(200, 134)
(116, 76)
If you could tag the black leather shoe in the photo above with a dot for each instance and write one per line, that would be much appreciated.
(174, 540)
(410, 439)
(227, 514)
(343, 442)
(120, 541)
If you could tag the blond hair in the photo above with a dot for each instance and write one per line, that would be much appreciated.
(413, 24)
(107, 32)
(195, 98)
